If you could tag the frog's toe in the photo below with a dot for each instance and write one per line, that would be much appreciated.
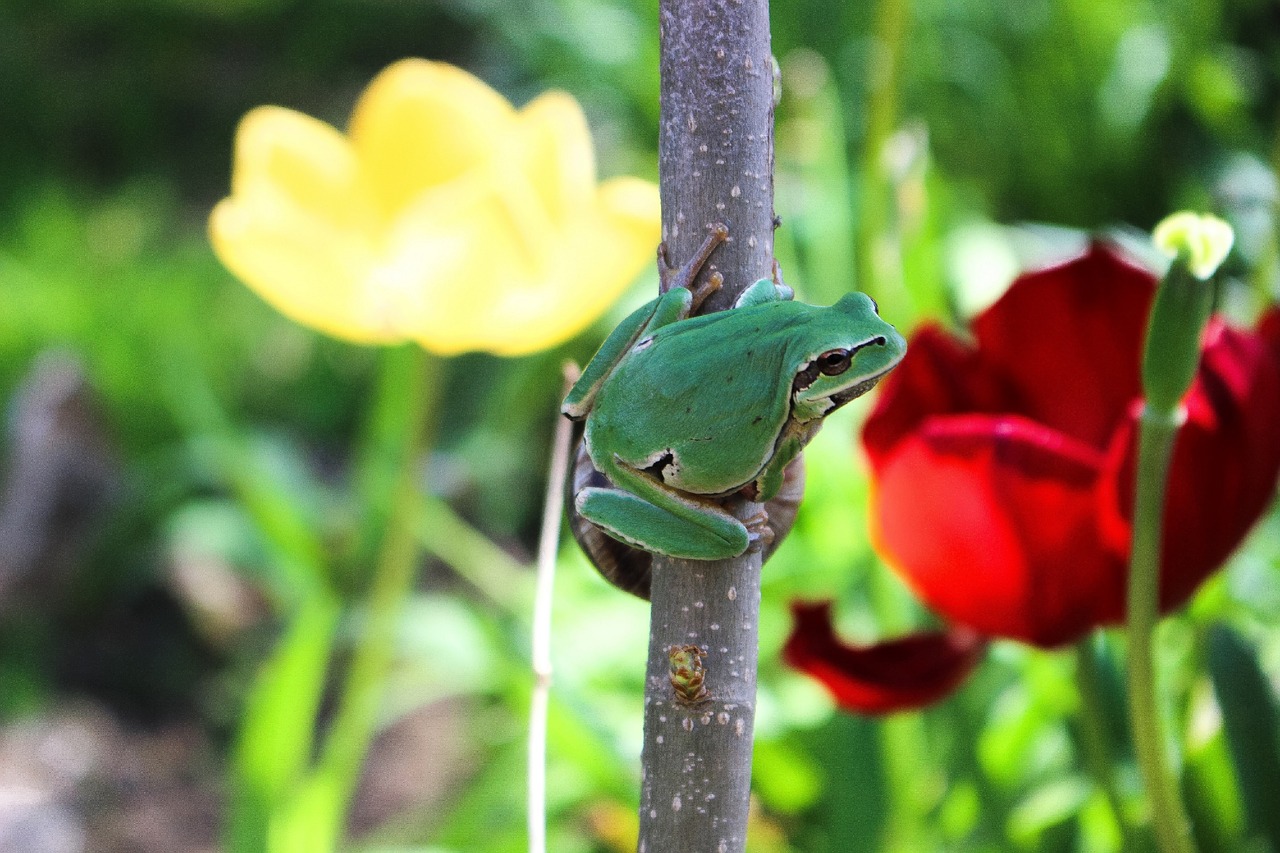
(638, 523)
(759, 531)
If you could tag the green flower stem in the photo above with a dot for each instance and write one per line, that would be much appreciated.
(1157, 430)
(1095, 741)
(501, 578)
(903, 746)
(391, 584)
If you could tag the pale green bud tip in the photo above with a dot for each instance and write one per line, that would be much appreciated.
(1201, 240)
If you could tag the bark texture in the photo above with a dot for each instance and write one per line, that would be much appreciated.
(716, 165)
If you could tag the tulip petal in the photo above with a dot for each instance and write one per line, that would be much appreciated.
(558, 155)
(1076, 326)
(306, 161)
(1269, 329)
(992, 520)
(311, 272)
(603, 252)
(896, 675)
(940, 375)
(420, 124)
(502, 288)
(1226, 460)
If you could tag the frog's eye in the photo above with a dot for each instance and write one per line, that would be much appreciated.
(875, 306)
(834, 362)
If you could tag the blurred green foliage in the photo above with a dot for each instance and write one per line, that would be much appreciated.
(912, 139)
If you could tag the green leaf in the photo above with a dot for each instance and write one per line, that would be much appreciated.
(787, 779)
(1048, 806)
(1252, 724)
(276, 739)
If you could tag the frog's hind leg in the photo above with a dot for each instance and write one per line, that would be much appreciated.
(638, 523)
(651, 515)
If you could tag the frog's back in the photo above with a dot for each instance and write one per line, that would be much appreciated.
(705, 397)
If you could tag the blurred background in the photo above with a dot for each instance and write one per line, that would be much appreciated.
(927, 151)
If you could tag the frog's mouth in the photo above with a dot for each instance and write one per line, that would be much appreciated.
(862, 386)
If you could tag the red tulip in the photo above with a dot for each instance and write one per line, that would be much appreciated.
(1003, 467)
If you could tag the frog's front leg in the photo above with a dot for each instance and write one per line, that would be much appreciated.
(649, 514)
(795, 435)
(684, 275)
(668, 308)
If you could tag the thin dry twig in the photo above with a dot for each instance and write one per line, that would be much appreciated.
(548, 547)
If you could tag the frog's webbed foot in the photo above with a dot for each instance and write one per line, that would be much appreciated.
(685, 274)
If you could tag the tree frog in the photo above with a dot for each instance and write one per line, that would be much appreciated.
(682, 412)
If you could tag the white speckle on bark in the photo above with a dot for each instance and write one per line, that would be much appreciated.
(676, 803)
(699, 605)
(722, 718)
(687, 724)
(653, 813)
(693, 124)
(751, 241)
(735, 191)
(722, 847)
(733, 590)
(661, 739)
(702, 149)
(739, 726)
(715, 626)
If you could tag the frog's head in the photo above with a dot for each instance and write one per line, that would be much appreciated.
(847, 350)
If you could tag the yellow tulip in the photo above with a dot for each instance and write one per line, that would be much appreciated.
(445, 216)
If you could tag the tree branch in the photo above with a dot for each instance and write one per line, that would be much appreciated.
(715, 165)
